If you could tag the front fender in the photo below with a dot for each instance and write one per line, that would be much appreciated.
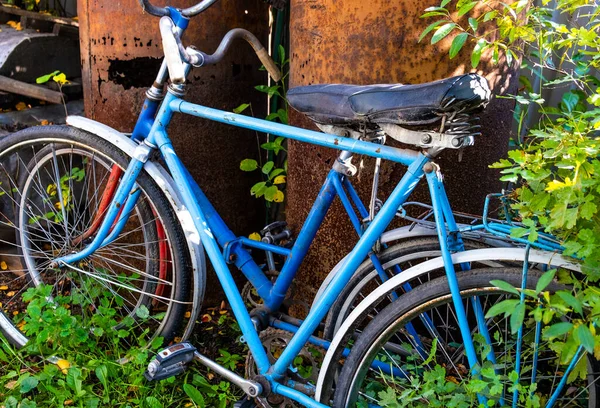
(167, 185)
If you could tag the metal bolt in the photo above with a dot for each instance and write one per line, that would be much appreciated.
(153, 367)
(456, 142)
(426, 139)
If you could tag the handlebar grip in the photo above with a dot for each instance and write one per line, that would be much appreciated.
(269, 64)
(171, 50)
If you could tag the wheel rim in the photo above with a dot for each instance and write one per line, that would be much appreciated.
(121, 259)
(368, 379)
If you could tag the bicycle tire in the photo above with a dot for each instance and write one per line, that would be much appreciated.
(423, 299)
(53, 155)
(404, 254)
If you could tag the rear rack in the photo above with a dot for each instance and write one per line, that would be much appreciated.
(474, 223)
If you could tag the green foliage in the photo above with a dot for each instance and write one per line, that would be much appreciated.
(68, 364)
(437, 386)
(274, 170)
(555, 164)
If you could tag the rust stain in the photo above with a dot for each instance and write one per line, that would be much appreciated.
(121, 52)
(366, 42)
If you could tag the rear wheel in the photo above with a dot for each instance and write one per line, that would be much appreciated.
(388, 358)
(54, 185)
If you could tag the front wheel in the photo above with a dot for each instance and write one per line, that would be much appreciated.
(55, 183)
(388, 359)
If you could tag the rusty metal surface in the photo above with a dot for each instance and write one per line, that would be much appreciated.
(366, 42)
(121, 53)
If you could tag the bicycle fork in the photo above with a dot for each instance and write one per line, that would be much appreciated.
(118, 210)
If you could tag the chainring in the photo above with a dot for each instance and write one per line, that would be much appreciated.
(307, 364)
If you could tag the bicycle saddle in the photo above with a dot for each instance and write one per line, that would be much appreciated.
(338, 104)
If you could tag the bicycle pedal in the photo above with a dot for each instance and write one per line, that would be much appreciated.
(170, 361)
(245, 402)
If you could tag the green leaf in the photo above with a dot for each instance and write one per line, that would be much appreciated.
(142, 312)
(258, 189)
(194, 394)
(102, 374)
(28, 384)
(248, 165)
(241, 108)
(557, 330)
(442, 32)
(429, 28)
(585, 337)
(517, 317)
(506, 307)
(505, 286)
(587, 210)
(465, 8)
(457, 44)
(153, 402)
(270, 193)
(473, 24)
(275, 173)
(477, 50)
(545, 280)
(281, 50)
(45, 78)
(268, 166)
(571, 301)
(489, 15)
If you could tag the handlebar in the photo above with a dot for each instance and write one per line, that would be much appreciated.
(176, 54)
(188, 12)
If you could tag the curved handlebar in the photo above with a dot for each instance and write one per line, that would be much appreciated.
(176, 54)
(188, 12)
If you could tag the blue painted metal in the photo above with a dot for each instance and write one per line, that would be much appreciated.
(354, 259)
(534, 364)
(179, 19)
(404, 156)
(565, 376)
(304, 239)
(127, 183)
(544, 241)
(145, 120)
(363, 211)
(125, 213)
(337, 183)
(243, 260)
(305, 388)
(520, 332)
(435, 191)
(212, 250)
(376, 364)
(279, 250)
(296, 396)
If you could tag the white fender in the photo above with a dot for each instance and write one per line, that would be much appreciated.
(475, 255)
(415, 231)
(167, 185)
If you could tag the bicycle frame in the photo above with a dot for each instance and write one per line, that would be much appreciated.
(223, 247)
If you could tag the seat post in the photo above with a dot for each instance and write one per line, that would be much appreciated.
(343, 164)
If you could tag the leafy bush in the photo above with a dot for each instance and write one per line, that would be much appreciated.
(554, 165)
(556, 162)
(68, 364)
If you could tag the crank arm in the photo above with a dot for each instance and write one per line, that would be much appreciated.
(251, 388)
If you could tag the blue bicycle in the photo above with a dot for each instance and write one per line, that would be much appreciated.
(91, 213)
